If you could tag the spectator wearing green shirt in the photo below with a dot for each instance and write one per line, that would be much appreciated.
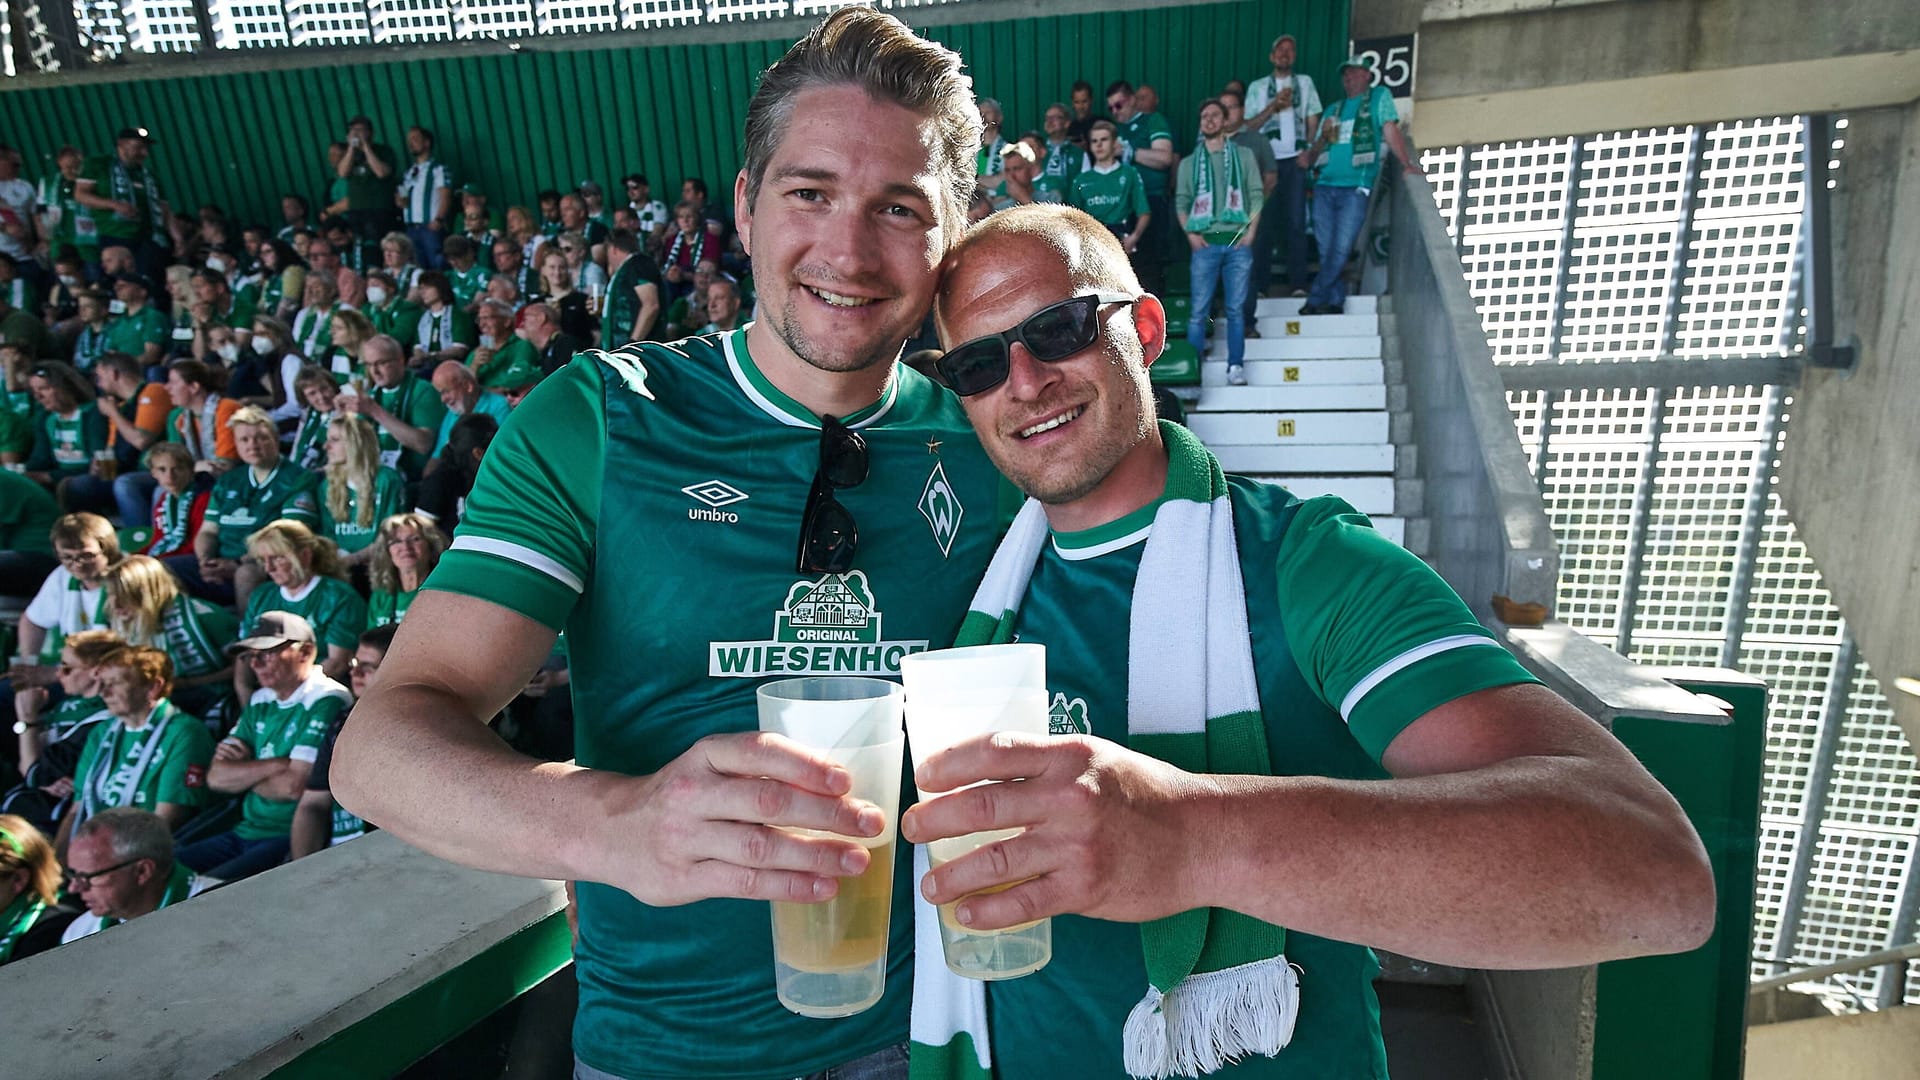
(150, 755)
(356, 492)
(503, 361)
(125, 199)
(64, 220)
(409, 547)
(139, 330)
(464, 272)
(1147, 144)
(389, 309)
(371, 172)
(633, 293)
(146, 607)
(306, 577)
(1110, 191)
(27, 512)
(444, 332)
(67, 435)
(1063, 159)
(404, 406)
(1353, 132)
(214, 304)
(18, 326)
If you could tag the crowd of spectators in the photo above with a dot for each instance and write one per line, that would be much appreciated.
(234, 451)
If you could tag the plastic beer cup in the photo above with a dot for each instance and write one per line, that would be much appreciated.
(830, 958)
(956, 694)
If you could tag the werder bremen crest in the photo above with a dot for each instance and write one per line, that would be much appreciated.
(942, 509)
(1068, 717)
(826, 627)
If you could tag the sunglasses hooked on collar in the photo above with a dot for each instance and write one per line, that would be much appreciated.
(1051, 334)
(829, 536)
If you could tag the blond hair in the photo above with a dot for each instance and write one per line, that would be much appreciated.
(383, 575)
(92, 646)
(291, 539)
(360, 470)
(145, 586)
(22, 847)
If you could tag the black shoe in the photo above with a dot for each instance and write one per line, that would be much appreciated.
(1312, 309)
(1333, 309)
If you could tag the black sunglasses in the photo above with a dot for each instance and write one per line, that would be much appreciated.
(1053, 333)
(828, 534)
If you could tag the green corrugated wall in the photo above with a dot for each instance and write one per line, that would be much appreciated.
(521, 122)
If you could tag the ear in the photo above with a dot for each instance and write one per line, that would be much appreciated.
(1150, 322)
(742, 213)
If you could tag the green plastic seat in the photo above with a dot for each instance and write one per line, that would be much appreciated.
(1179, 365)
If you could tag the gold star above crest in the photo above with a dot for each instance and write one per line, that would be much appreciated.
(933, 446)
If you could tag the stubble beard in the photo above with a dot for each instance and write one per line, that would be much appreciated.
(816, 355)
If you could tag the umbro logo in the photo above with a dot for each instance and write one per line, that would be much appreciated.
(715, 494)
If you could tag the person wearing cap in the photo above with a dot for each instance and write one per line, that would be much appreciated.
(271, 749)
(425, 196)
(140, 330)
(1284, 107)
(1348, 146)
(595, 197)
(135, 214)
(652, 213)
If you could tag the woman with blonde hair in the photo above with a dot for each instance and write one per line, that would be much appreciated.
(410, 547)
(146, 607)
(356, 491)
(351, 329)
(304, 576)
(31, 920)
(320, 395)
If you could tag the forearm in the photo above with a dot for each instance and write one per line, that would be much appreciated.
(286, 784)
(312, 824)
(417, 439)
(206, 543)
(234, 777)
(1397, 142)
(1529, 863)
(1154, 159)
(414, 760)
(31, 636)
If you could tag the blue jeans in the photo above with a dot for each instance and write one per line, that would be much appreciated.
(426, 247)
(888, 1064)
(1212, 264)
(228, 857)
(1338, 215)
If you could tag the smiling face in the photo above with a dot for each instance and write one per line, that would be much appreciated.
(1064, 432)
(319, 397)
(846, 233)
(406, 547)
(1212, 119)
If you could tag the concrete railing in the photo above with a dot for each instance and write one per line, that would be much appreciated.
(354, 962)
(1489, 531)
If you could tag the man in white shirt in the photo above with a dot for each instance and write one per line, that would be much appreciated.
(1284, 106)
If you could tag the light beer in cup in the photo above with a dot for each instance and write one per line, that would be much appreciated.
(952, 695)
(830, 958)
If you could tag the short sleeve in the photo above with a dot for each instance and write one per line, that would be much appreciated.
(526, 540)
(44, 610)
(317, 778)
(323, 716)
(1383, 105)
(427, 410)
(1377, 633)
(183, 779)
(348, 619)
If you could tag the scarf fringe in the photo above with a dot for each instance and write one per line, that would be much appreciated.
(1213, 1019)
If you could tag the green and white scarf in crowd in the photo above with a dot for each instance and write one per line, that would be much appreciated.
(180, 886)
(18, 916)
(1220, 985)
(1365, 142)
(122, 181)
(1218, 202)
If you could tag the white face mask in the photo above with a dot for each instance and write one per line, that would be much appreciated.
(116, 306)
(69, 280)
(486, 341)
(262, 344)
(376, 294)
(229, 352)
(217, 266)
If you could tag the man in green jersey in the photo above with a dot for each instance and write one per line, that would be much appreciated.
(633, 292)
(124, 199)
(404, 405)
(650, 500)
(1147, 145)
(150, 755)
(266, 758)
(1064, 160)
(267, 487)
(139, 330)
(1111, 191)
(1406, 758)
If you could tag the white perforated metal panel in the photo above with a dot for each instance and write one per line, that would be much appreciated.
(491, 18)
(577, 16)
(327, 22)
(239, 24)
(399, 21)
(640, 14)
(161, 26)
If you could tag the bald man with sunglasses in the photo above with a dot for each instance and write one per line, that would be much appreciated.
(1272, 727)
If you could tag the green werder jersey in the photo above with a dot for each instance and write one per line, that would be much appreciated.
(1353, 639)
(648, 502)
(292, 728)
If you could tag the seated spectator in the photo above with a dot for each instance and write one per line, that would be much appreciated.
(445, 332)
(351, 330)
(1110, 189)
(556, 286)
(17, 407)
(27, 512)
(90, 328)
(60, 307)
(149, 754)
(523, 232)
(404, 406)
(476, 228)
(550, 223)
(443, 494)
(295, 215)
(503, 361)
(509, 260)
(122, 383)
(200, 415)
(313, 324)
(122, 866)
(70, 599)
(318, 821)
(689, 313)
(410, 547)
(179, 506)
(67, 435)
(1018, 168)
(540, 325)
(464, 272)
(397, 259)
(319, 393)
(633, 303)
(19, 326)
(341, 249)
(356, 492)
(576, 218)
(31, 918)
(353, 288)
(148, 608)
(265, 488)
(51, 733)
(502, 288)
(588, 277)
(690, 243)
(283, 280)
(178, 310)
(723, 306)
(271, 749)
(388, 308)
(307, 579)
(213, 304)
(264, 375)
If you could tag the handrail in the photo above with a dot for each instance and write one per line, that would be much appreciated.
(1884, 957)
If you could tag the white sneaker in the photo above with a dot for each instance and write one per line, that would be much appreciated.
(1236, 375)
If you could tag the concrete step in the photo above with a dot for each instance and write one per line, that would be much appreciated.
(1371, 495)
(1314, 372)
(1213, 372)
(1393, 528)
(1273, 307)
(1268, 394)
(1220, 430)
(1279, 347)
(1307, 458)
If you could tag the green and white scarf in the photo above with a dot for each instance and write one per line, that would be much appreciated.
(1220, 985)
(180, 886)
(1365, 142)
(123, 182)
(1217, 202)
(19, 916)
(96, 791)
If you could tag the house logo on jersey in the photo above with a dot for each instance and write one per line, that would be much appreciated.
(942, 509)
(1068, 717)
(826, 627)
(715, 494)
